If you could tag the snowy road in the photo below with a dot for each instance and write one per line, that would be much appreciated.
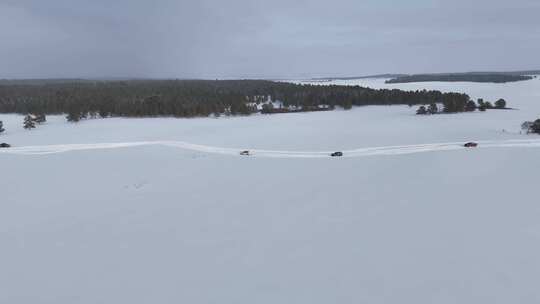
(361, 152)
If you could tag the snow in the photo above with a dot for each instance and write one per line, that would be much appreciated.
(167, 211)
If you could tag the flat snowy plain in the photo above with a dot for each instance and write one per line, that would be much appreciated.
(166, 211)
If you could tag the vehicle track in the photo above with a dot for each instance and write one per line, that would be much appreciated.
(361, 152)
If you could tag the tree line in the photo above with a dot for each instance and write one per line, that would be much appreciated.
(459, 105)
(458, 77)
(195, 98)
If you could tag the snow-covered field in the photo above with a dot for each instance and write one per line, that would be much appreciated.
(166, 211)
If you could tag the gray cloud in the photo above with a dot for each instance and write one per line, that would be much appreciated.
(243, 38)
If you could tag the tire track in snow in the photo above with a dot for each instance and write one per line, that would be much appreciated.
(361, 152)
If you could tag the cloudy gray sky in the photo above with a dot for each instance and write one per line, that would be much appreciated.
(270, 38)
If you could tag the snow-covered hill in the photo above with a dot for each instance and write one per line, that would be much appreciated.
(167, 211)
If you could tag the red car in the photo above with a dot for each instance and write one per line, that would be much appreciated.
(470, 145)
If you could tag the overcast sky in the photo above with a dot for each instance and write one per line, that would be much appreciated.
(270, 38)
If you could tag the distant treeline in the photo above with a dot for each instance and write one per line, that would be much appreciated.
(456, 106)
(466, 77)
(192, 98)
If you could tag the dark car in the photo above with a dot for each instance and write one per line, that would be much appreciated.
(337, 154)
(470, 145)
(244, 153)
(4, 145)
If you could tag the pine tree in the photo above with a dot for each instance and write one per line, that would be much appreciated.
(449, 106)
(471, 106)
(73, 116)
(500, 104)
(103, 113)
(2, 127)
(421, 111)
(535, 128)
(40, 118)
(527, 126)
(347, 104)
(433, 109)
(481, 102)
(29, 122)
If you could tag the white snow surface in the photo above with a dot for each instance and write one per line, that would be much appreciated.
(166, 210)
